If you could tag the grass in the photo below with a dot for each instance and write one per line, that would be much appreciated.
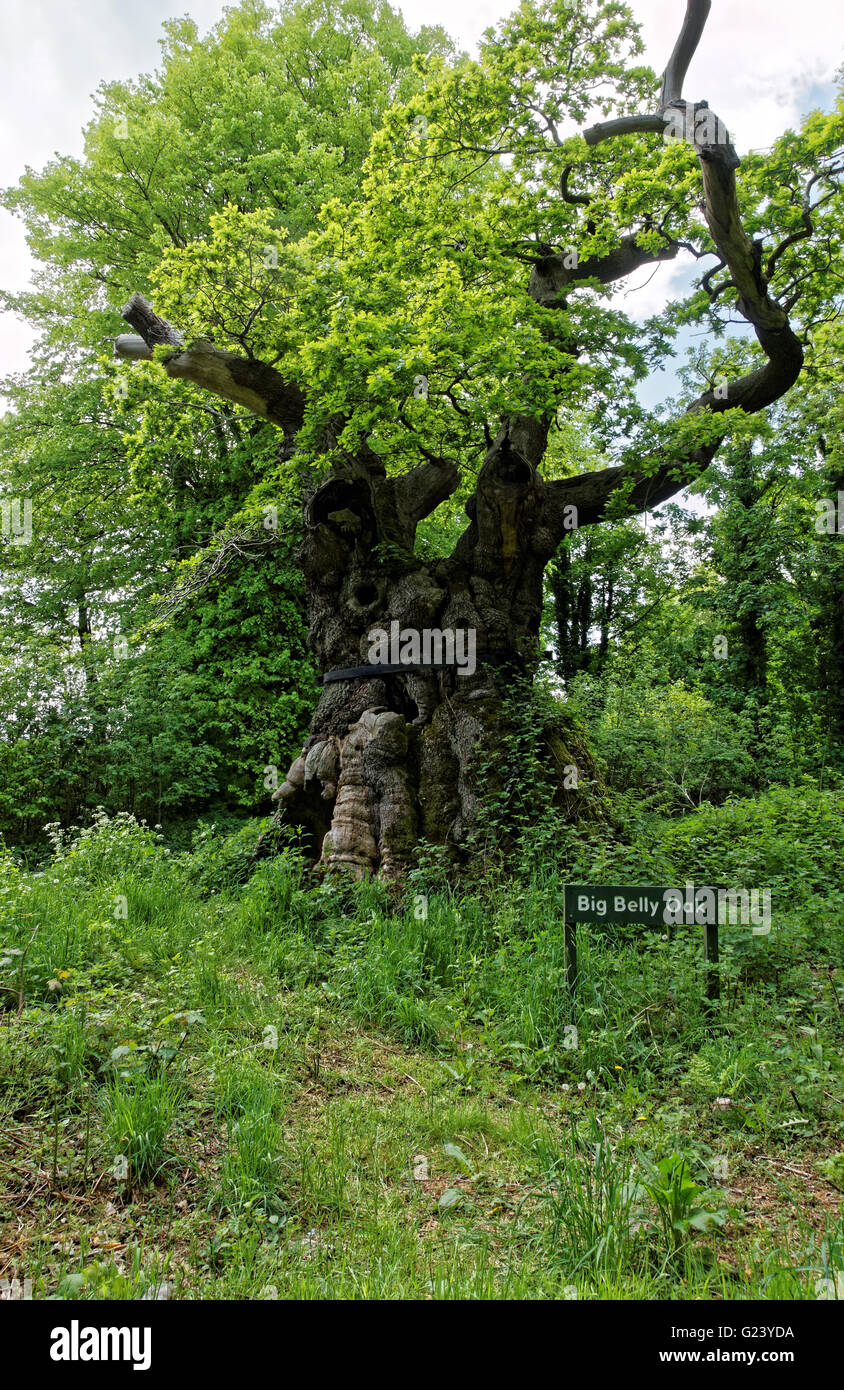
(138, 1112)
(271, 1089)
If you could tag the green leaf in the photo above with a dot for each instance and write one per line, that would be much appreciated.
(454, 1151)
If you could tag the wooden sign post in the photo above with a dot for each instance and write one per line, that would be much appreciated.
(660, 906)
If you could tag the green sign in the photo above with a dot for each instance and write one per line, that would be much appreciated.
(650, 905)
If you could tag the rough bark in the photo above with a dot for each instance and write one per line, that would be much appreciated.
(255, 385)
(394, 758)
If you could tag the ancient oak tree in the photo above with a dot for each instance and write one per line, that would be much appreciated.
(440, 343)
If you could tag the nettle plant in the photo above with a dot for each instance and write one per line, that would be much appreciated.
(431, 347)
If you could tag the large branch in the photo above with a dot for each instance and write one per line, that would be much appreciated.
(694, 23)
(625, 125)
(420, 492)
(583, 501)
(253, 384)
(674, 77)
(551, 275)
(663, 478)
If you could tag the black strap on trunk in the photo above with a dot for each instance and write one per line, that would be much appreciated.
(364, 673)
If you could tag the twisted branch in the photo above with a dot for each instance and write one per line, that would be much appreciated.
(741, 257)
(253, 384)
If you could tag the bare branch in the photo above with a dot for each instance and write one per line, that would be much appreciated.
(697, 13)
(574, 199)
(222, 552)
(807, 209)
(132, 348)
(741, 257)
(155, 331)
(551, 274)
(253, 384)
(706, 282)
(625, 125)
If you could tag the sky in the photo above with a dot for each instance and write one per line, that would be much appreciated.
(761, 64)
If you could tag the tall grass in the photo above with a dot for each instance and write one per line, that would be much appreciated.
(138, 1112)
(297, 1047)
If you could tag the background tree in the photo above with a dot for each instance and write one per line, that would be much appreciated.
(274, 107)
(819, 571)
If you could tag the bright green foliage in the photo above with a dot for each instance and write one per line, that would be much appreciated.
(274, 110)
(262, 121)
(137, 1115)
(312, 185)
(678, 1199)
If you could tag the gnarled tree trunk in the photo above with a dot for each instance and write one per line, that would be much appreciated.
(394, 757)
